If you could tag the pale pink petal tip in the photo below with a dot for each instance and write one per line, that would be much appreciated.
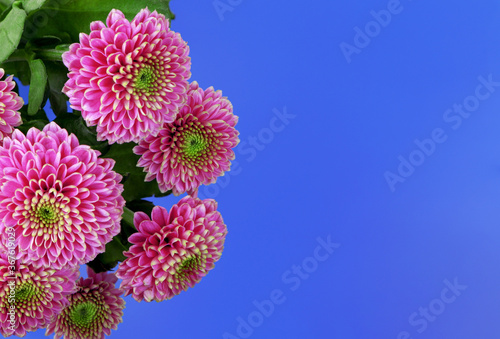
(93, 310)
(62, 199)
(173, 250)
(31, 296)
(10, 104)
(196, 148)
(128, 77)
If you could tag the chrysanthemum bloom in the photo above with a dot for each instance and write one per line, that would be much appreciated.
(196, 148)
(31, 296)
(129, 77)
(63, 200)
(172, 251)
(94, 310)
(10, 104)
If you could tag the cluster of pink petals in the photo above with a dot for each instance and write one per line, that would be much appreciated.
(37, 294)
(172, 251)
(104, 312)
(196, 148)
(63, 200)
(128, 77)
(10, 104)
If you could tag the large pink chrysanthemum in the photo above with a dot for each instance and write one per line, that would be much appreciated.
(31, 296)
(63, 200)
(10, 104)
(196, 148)
(129, 77)
(94, 310)
(172, 251)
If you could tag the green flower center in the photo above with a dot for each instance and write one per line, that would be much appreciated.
(145, 79)
(25, 292)
(83, 314)
(46, 213)
(188, 264)
(192, 264)
(194, 145)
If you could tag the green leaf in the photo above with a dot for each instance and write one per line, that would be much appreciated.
(52, 18)
(141, 205)
(11, 29)
(18, 65)
(127, 226)
(115, 248)
(20, 69)
(57, 77)
(134, 186)
(126, 160)
(39, 124)
(4, 4)
(39, 120)
(37, 86)
(31, 5)
(109, 259)
(74, 123)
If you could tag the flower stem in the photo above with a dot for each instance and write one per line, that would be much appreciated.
(18, 55)
(49, 54)
(128, 217)
(5, 3)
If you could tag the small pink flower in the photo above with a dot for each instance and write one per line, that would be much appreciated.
(31, 296)
(196, 148)
(93, 311)
(63, 201)
(128, 78)
(172, 251)
(10, 104)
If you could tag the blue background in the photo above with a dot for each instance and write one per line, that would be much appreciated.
(351, 119)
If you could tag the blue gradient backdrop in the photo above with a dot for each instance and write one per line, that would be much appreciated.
(334, 99)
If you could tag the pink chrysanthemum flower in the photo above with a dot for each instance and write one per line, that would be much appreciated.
(31, 296)
(10, 104)
(94, 310)
(196, 148)
(63, 200)
(128, 77)
(172, 251)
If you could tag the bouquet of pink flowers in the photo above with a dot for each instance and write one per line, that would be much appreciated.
(73, 183)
